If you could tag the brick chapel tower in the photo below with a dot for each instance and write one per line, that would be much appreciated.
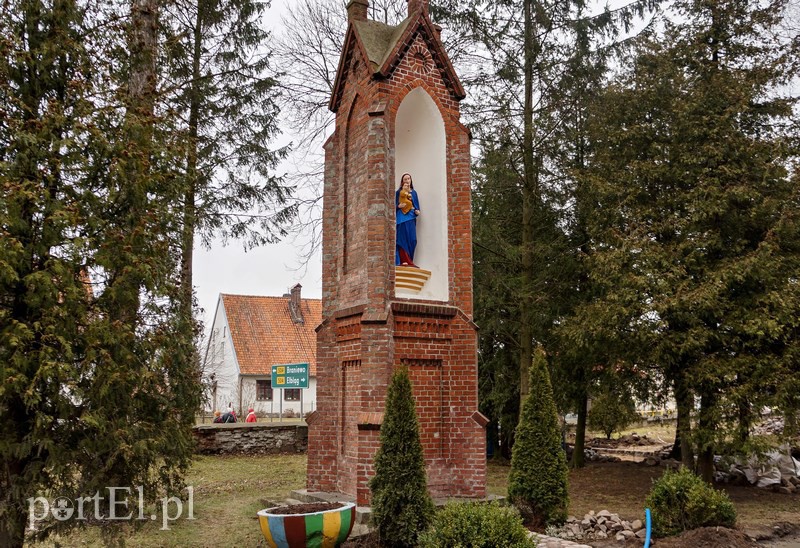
(396, 100)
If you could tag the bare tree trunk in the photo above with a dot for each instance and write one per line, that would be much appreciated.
(744, 422)
(578, 456)
(529, 199)
(140, 108)
(682, 448)
(790, 422)
(192, 176)
(144, 44)
(705, 423)
(12, 526)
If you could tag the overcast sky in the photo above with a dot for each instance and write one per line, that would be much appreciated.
(267, 270)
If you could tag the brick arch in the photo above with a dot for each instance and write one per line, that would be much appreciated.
(451, 119)
(421, 148)
(397, 99)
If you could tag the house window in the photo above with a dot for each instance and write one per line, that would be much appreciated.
(264, 390)
(291, 394)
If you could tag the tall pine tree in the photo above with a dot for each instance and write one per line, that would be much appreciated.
(527, 112)
(695, 231)
(99, 387)
(219, 80)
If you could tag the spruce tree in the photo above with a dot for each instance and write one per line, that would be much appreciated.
(695, 228)
(537, 483)
(536, 64)
(97, 384)
(401, 505)
(218, 77)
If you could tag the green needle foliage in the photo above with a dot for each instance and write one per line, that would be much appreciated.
(695, 229)
(537, 484)
(681, 501)
(98, 385)
(401, 505)
(477, 525)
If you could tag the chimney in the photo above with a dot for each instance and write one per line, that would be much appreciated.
(357, 10)
(417, 5)
(295, 304)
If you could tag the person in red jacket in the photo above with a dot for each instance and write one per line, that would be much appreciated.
(251, 416)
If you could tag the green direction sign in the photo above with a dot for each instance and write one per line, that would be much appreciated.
(291, 375)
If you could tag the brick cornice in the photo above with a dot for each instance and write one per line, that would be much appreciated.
(350, 311)
(422, 309)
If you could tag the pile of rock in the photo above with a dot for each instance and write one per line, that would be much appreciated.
(788, 486)
(635, 439)
(777, 470)
(661, 459)
(769, 426)
(627, 441)
(599, 526)
(592, 455)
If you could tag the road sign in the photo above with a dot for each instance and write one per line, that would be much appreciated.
(290, 375)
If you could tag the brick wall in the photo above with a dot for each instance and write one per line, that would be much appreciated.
(250, 438)
(366, 330)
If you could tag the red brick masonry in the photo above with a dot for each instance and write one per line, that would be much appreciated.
(366, 331)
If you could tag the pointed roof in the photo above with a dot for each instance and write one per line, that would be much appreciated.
(383, 46)
(264, 333)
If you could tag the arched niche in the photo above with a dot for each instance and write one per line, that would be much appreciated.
(421, 150)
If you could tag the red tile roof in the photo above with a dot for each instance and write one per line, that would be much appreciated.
(264, 334)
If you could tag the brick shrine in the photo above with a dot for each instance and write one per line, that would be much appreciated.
(396, 100)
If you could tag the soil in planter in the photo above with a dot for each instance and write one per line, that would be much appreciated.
(307, 508)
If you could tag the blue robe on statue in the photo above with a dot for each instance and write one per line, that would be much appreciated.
(406, 228)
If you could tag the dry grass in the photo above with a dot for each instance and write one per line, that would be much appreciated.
(622, 487)
(229, 490)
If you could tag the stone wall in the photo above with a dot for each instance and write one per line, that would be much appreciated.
(243, 438)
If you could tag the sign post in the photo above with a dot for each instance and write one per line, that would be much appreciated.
(290, 375)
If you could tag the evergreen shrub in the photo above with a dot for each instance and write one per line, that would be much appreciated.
(476, 525)
(401, 505)
(681, 500)
(537, 484)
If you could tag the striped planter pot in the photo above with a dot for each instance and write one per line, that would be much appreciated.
(326, 529)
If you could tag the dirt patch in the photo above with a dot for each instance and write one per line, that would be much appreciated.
(307, 508)
(707, 537)
(780, 535)
(370, 540)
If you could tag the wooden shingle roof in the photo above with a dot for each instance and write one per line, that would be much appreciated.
(264, 333)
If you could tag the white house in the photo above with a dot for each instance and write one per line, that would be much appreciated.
(249, 335)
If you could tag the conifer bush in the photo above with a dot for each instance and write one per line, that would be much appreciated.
(401, 505)
(476, 525)
(681, 500)
(537, 484)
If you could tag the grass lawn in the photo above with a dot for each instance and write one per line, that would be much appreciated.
(228, 491)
